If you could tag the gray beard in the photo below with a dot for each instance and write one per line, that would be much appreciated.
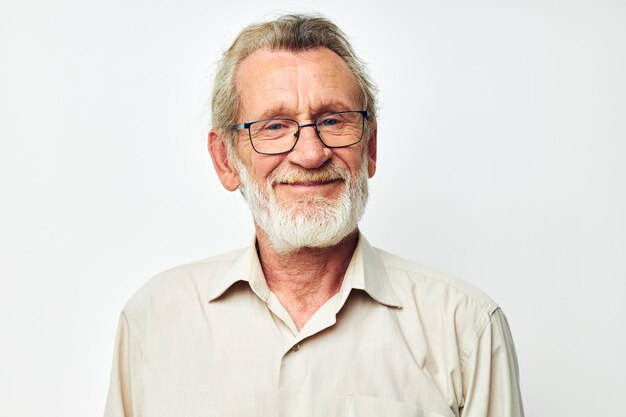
(314, 222)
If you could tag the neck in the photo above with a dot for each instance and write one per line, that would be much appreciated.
(305, 279)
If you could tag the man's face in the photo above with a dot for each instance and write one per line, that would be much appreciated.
(311, 186)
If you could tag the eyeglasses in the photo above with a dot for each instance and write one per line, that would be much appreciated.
(335, 130)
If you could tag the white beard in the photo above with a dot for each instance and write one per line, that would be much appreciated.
(314, 222)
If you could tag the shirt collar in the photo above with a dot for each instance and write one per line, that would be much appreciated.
(365, 272)
(246, 267)
(369, 274)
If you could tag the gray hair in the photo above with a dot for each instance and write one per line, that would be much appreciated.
(292, 32)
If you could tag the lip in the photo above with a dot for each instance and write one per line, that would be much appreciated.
(310, 183)
(327, 188)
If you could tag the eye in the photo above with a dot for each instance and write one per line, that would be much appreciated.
(332, 121)
(275, 126)
(329, 122)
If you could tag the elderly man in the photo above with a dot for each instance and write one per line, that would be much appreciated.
(310, 320)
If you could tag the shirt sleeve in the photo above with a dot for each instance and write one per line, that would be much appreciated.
(126, 385)
(491, 374)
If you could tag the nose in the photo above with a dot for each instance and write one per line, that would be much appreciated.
(309, 151)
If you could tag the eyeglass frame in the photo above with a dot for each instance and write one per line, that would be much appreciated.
(246, 125)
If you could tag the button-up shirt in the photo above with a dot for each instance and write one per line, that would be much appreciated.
(398, 339)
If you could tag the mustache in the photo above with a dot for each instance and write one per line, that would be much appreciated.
(325, 173)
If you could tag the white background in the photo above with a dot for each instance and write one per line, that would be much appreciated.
(502, 150)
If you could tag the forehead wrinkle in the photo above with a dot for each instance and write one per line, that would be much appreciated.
(278, 91)
(312, 80)
(312, 84)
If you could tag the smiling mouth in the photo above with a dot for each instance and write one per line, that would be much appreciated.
(310, 183)
(326, 175)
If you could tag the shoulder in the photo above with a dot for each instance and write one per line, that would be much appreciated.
(428, 290)
(179, 284)
(405, 273)
(446, 307)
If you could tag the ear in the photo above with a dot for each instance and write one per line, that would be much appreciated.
(226, 171)
(371, 151)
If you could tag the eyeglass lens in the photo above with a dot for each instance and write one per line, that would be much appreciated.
(280, 135)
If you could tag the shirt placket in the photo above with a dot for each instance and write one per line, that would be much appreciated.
(296, 393)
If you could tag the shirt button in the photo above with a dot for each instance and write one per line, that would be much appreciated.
(296, 348)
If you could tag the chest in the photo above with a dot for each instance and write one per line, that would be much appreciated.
(368, 362)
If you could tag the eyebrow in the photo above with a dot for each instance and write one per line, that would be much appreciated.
(332, 106)
(273, 112)
(319, 110)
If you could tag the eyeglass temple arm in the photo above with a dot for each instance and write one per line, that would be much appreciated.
(242, 126)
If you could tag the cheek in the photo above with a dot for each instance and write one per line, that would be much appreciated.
(354, 161)
(263, 166)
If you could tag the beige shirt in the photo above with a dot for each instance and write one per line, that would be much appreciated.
(210, 339)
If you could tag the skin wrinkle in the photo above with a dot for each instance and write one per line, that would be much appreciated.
(304, 78)
(316, 111)
(304, 286)
(325, 173)
(321, 215)
(305, 290)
